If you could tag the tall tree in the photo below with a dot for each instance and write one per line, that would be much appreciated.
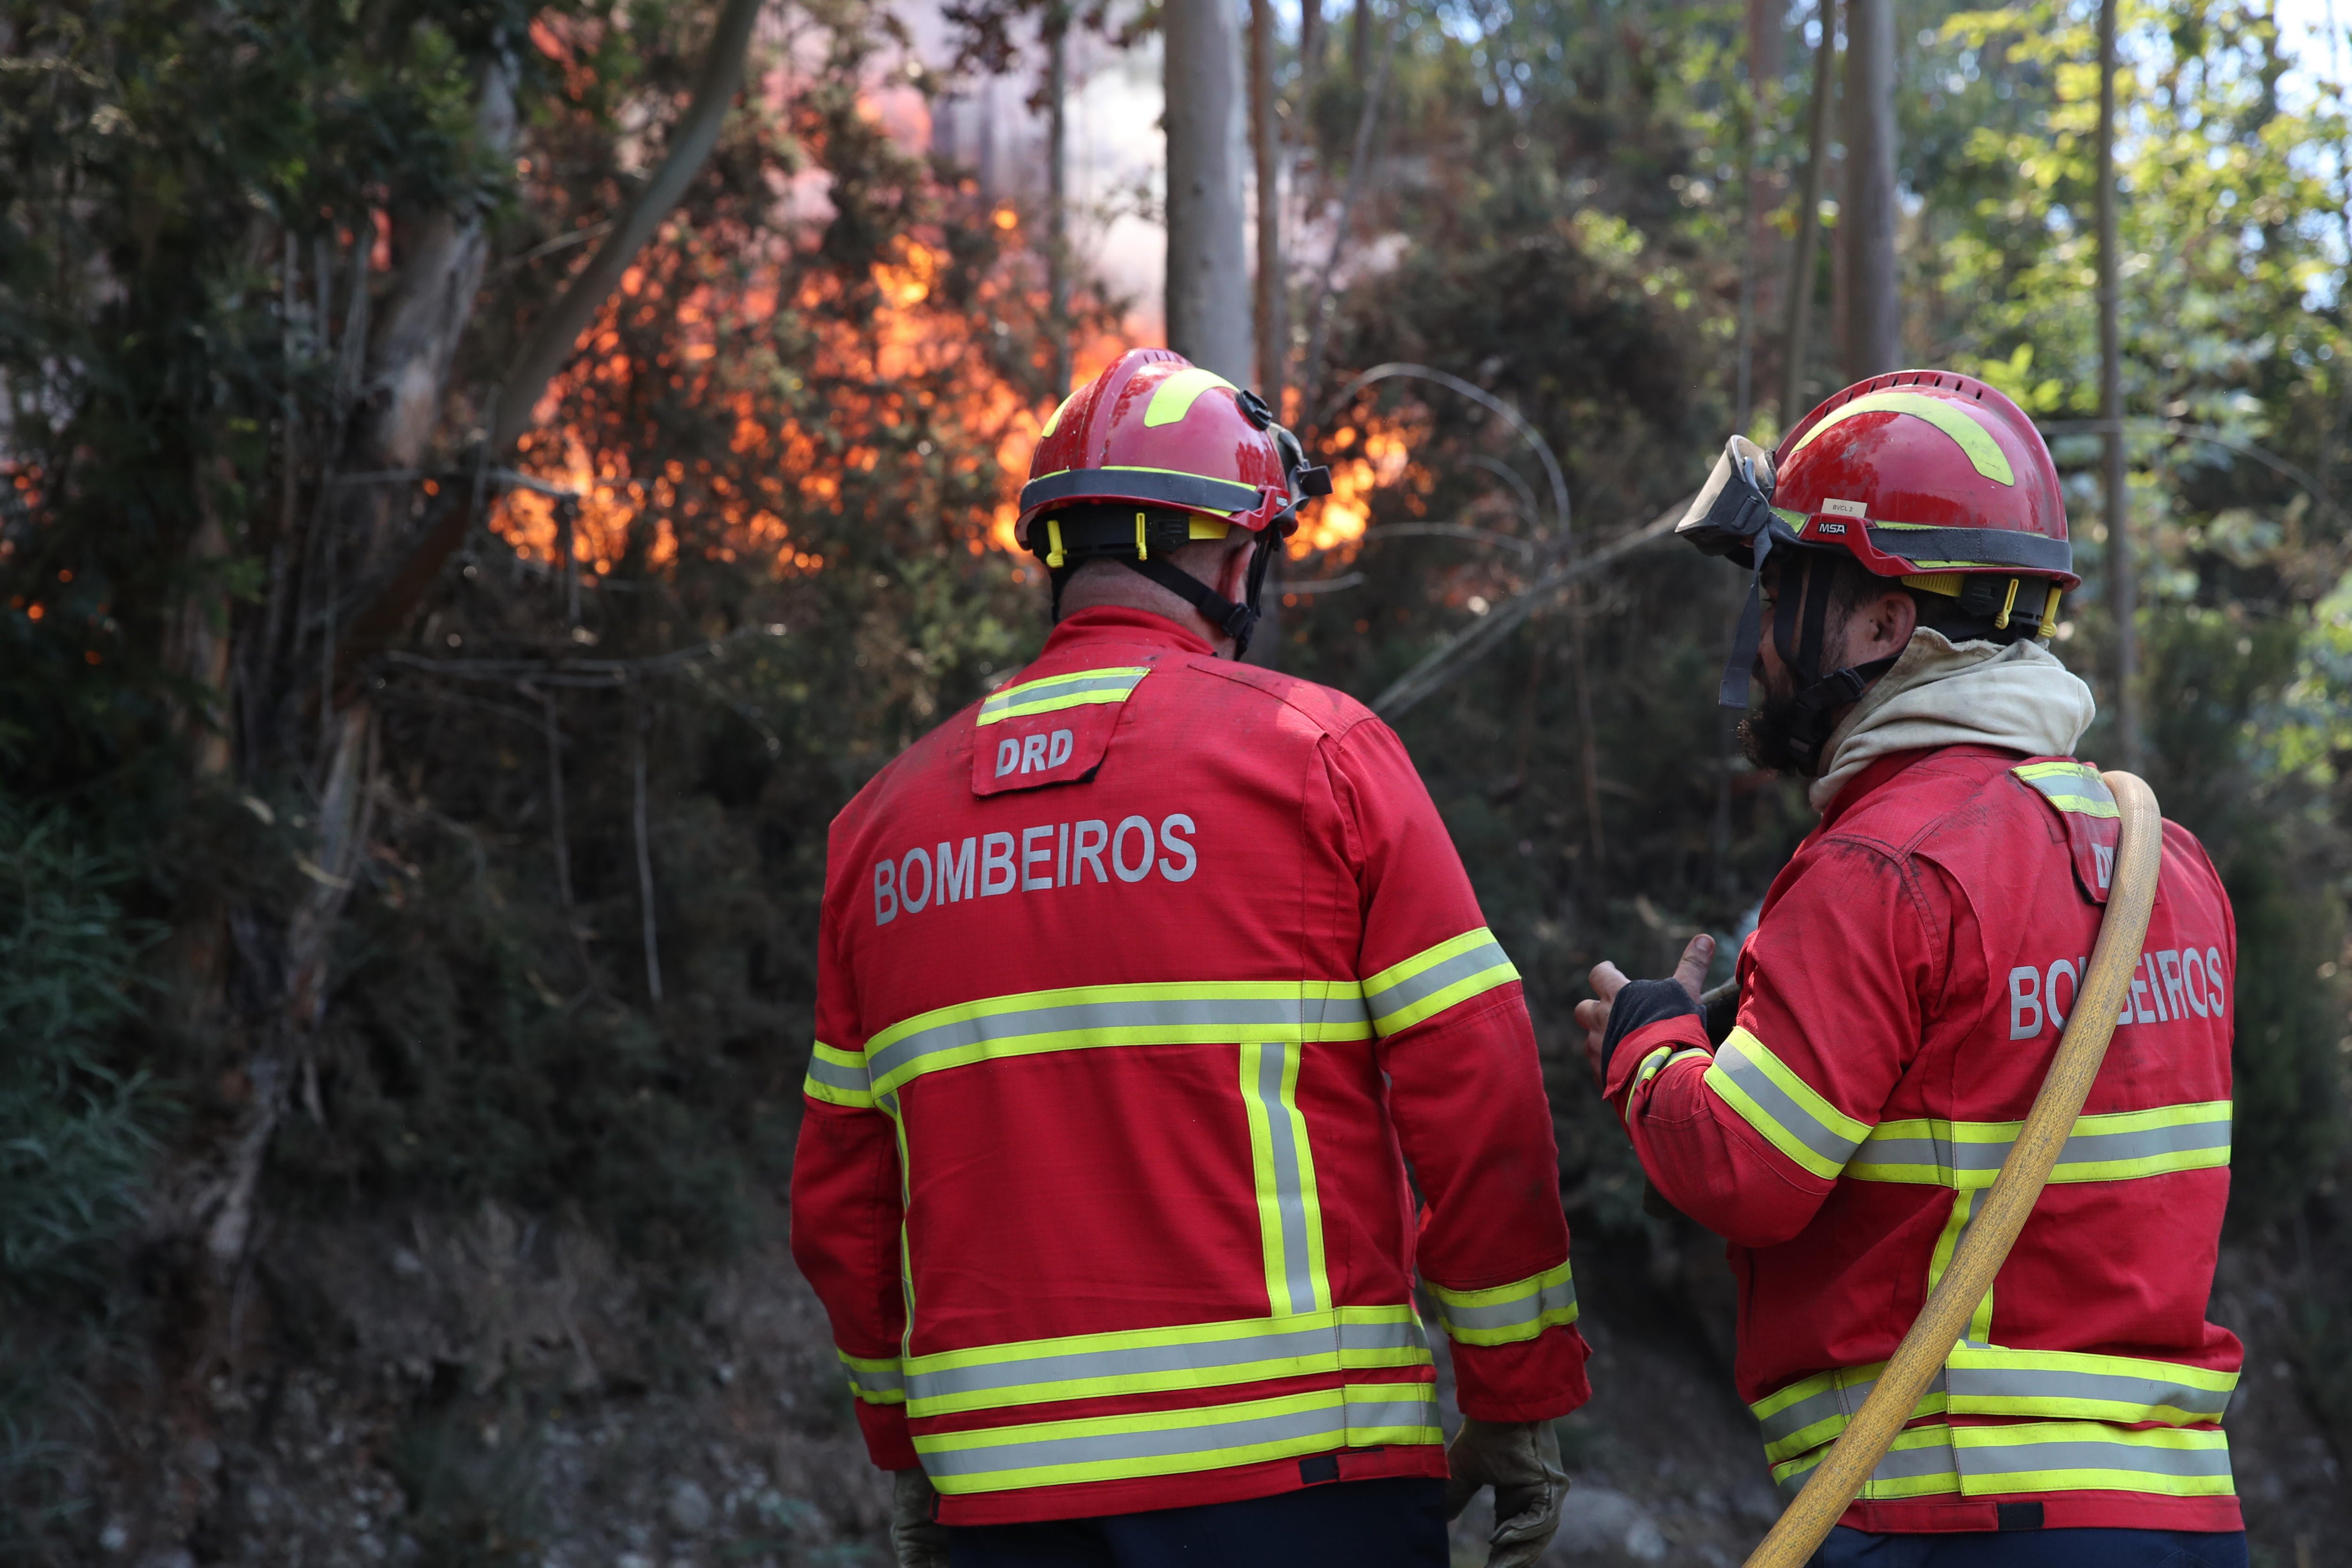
(1873, 323)
(1805, 254)
(1273, 313)
(1056, 28)
(1208, 289)
(2123, 586)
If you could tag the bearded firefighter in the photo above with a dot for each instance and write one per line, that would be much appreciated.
(1140, 981)
(1903, 996)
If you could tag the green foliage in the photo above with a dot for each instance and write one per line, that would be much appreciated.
(76, 1139)
(75, 1134)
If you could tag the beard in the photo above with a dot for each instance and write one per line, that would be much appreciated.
(1777, 735)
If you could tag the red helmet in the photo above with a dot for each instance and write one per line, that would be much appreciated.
(1925, 472)
(1152, 454)
(1927, 476)
(1155, 430)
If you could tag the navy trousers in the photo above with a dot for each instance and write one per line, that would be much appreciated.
(2035, 1548)
(1394, 1523)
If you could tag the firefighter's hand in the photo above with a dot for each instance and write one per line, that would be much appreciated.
(1520, 1459)
(917, 1537)
(1608, 980)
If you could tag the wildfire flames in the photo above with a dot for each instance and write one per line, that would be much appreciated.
(821, 390)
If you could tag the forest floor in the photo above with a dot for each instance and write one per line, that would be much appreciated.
(452, 1391)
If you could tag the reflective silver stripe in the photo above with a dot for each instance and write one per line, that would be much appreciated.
(1993, 1459)
(1785, 1431)
(1393, 999)
(1973, 1386)
(834, 1076)
(1143, 1445)
(1526, 1311)
(1974, 1162)
(1504, 1315)
(1793, 1118)
(1323, 1343)
(876, 1382)
(1289, 1183)
(1077, 1024)
(1061, 689)
(1929, 1462)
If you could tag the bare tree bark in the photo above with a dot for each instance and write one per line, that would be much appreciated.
(1804, 256)
(1057, 202)
(1873, 326)
(2123, 581)
(1208, 266)
(1266, 141)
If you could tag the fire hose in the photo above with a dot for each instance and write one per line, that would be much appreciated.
(1840, 1477)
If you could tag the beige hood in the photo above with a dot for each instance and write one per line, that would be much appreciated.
(1940, 693)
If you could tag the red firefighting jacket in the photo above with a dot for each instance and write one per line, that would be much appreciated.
(1901, 1001)
(1138, 983)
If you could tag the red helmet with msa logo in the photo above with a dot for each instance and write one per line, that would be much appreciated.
(1152, 455)
(1931, 477)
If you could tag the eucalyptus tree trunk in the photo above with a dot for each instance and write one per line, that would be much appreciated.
(1208, 264)
(2122, 583)
(1873, 323)
(1265, 143)
(1058, 188)
(1803, 260)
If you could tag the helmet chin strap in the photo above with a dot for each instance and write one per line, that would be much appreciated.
(1146, 547)
(1818, 696)
(1236, 621)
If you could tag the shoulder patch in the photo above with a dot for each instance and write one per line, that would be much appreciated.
(1049, 730)
(2087, 810)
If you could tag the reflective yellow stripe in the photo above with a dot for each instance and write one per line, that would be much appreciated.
(1996, 1379)
(1919, 1464)
(1793, 1118)
(2114, 1146)
(1180, 1442)
(1437, 978)
(1052, 693)
(2039, 1457)
(837, 1078)
(1506, 1314)
(2090, 1456)
(1173, 399)
(1290, 1215)
(875, 1381)
(1805, 1416)
(1084, 1018)
(1157, 1361)
(1984, 453)
(1656, 1062)
(1965, 1204)
(2069, 786)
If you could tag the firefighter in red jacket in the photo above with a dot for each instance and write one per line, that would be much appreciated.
(1139, 983)
(1903, 996)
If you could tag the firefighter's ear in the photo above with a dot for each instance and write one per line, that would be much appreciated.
(1881, 626)
(1233, 567)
